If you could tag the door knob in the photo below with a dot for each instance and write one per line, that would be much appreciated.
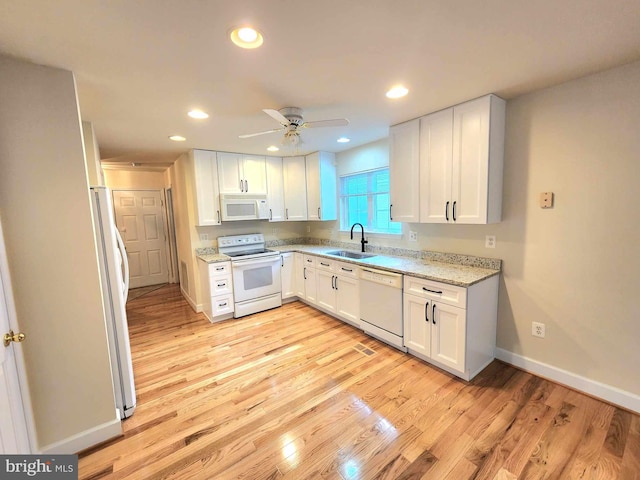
(13, 337)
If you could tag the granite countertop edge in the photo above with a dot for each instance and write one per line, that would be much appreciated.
(444, 272)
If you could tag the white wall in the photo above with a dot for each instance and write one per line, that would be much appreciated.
(574, 267)
(140, 180)
(46, 214)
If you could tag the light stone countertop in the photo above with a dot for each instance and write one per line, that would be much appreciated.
(450, 273)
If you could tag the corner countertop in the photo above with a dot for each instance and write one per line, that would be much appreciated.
(445, 272)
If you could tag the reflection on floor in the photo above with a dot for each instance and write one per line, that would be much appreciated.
(138, 292)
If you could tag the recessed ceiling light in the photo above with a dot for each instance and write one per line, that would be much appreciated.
(344, 140)
(397, 92)
(199, 114)
(246, 37)
(177, 138)
(273, 148)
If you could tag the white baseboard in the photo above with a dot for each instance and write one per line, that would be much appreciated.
(196, 308)
(87, 439)
(605, 392)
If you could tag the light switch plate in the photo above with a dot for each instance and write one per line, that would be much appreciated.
(413, 236)
(546, 200)
(204, 237)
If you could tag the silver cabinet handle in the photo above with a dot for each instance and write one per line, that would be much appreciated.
(454, 211)
(286, 210)
(222, 284)
(219, 216)
(219, 269)
(319, 217)
(241, 186)
(426, 312)
(304, 272)
(346, 269)
(433, 313)
(324, 264)
(246, 185)
(336, 282)
(270, 214)
(432, 291)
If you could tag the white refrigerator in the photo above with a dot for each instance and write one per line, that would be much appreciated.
(114, 273)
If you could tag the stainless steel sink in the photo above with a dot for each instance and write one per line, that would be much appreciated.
(350, 254)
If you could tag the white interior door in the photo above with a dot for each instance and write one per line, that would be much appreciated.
(139, 218)
(13, 428)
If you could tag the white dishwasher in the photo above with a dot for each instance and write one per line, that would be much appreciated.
(381, 306)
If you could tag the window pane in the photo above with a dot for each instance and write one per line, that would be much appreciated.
(364, 198)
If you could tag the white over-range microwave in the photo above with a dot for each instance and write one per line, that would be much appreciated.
(243, 207)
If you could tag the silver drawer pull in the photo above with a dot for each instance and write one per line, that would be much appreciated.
(432, 291)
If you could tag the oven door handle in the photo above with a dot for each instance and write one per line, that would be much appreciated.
(255, 261)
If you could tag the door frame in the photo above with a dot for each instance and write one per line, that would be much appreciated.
(21, 403)
(174, 273)
(166, 228)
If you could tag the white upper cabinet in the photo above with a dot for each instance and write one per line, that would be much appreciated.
(461, 158)
(404, 164)
(206, 185)
(321, 186)
(275, 189)
(478, 151)
(436, 140)
(239, 173)
(295, 188)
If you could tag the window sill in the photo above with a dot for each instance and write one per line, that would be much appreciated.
(395, 236)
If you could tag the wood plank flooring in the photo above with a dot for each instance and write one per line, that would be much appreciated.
(290, 394)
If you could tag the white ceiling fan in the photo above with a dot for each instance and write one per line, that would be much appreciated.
(292, 121)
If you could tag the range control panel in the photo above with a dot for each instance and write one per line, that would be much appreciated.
(240, 240)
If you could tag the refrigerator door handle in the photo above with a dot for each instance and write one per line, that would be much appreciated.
(125, 263)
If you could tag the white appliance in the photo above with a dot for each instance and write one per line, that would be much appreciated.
(114, 273)
(256, 273)
(381, 306)
(244, 207)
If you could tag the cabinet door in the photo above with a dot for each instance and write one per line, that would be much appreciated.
(206, 183)
(470, 171)
(298, 275)
(275, 189)
(348, 298)
(321, 186)
(295, 188)
(287, 275)
(310, 285)
(436, 143)
(230, 173)
(326, 293)
(417, 326)
(448, 335)
(254, 174)
(404, 171)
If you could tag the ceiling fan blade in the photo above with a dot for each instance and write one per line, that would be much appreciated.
(336, 122)
(277, 116)
(249, 135)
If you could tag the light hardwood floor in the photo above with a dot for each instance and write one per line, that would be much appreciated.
(289, 394)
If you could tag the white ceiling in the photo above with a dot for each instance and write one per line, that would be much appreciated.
(140, 65)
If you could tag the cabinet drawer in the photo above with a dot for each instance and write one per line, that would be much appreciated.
(449, 294)
(309, 261)
(221, 305)
(219, 268)
(346, 269)
(325, 264)
(220, 285)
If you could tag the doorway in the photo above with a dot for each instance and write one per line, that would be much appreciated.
(141, 222)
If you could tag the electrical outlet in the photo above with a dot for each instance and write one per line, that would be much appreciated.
(413, 236)
(204, 237)
(490, 241)
(537, 329)
(274, 231)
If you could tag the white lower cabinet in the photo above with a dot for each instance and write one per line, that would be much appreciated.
(309, 279)
(452, 327)
(287, 276)
(348, 293)
(216, 283)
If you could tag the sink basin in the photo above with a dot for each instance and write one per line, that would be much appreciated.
(350, 254)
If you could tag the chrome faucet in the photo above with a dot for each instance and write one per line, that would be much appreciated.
(363, 241)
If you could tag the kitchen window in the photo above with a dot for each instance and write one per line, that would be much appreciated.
(364, 198)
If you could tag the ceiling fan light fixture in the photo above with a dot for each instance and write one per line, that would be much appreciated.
(246, 37)
(397, 92)
(198, 114)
